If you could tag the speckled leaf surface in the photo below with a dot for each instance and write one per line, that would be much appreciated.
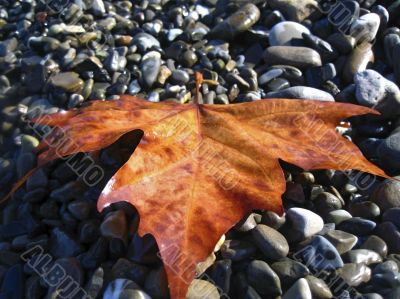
(200, 168)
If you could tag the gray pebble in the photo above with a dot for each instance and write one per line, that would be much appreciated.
(271, 243)
(300, 57)
(263, 279)
(283, 33)
(302, 92)
(150, 67)
(299, 290)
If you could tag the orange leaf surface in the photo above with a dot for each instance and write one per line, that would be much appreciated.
(200, 168)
